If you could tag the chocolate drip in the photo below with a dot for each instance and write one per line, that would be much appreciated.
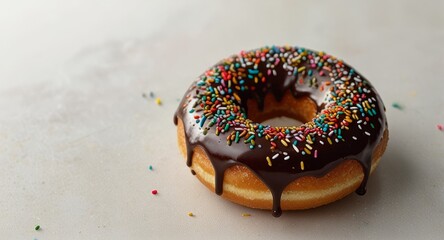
(278, 176)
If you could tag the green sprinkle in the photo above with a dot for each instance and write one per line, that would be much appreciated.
(397, 106)
(150, 168)
(37, 227)
(237, 137)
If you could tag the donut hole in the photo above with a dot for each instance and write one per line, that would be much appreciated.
(289, 111)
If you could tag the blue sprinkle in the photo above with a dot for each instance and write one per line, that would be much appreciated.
(203, 121)
(253, 71)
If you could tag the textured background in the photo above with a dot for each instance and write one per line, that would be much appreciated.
(77, 137)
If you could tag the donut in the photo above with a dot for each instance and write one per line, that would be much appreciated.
(340, 142)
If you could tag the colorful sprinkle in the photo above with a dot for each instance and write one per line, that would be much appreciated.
(150, 168)
(246, 215)
(397, 106)
(440, 127)
(269, 161)
(158, 101)
(191, 214)
(37, 227)
(154, 192)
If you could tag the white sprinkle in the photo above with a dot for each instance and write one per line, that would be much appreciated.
(355, 138)
(336, 140)
(359, 122)
(368, 134)
(359, 126)
(357, 79)
(287, 157)
(275, 156)
(308, 146)
(338, 82)
(274, 72)
(321, 142)
(295, 148)
(285, 153)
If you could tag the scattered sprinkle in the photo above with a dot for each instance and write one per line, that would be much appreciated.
(37, 227)
(190, 214)
(246, 215)
(397, 106)
(151, 94)
(154, 191)
(440, 127)
(150, 168)
(158, 101)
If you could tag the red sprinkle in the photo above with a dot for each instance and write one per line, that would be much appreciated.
(154, 192)
(440, 127)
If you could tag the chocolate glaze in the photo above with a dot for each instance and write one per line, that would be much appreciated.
(283, 172)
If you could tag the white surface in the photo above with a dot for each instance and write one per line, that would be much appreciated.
(76, 136)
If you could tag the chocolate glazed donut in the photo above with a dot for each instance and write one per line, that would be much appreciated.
(345, 128)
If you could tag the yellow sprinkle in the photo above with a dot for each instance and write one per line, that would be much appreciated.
(158, 101)
(190, 214)
(309, 139)
(256, 80)
(246, 215)
(301, 69)
(269, 161)
(236, 97)
(307, 151)
(235, 80)
(302, 165)
(329, 140)
(284, 143)
(367, 104)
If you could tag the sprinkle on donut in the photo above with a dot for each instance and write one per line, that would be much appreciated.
(218, 101)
